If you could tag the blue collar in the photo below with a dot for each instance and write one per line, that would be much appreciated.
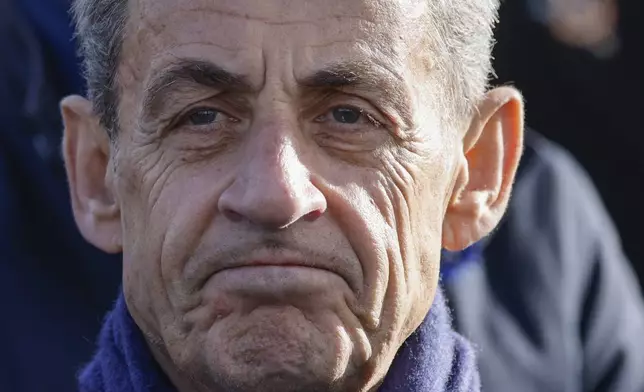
(452, 263)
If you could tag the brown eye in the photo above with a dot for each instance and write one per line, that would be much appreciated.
(203, 117)
(346, 115)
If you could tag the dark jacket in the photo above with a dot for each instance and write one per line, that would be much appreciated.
(553, 306)
(54, 287)
(590, 106)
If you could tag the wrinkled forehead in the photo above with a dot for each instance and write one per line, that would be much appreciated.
(276, 10)
(243, 35)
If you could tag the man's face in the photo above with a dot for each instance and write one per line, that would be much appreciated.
(282, 182)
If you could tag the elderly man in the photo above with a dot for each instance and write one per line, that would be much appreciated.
(281, 177)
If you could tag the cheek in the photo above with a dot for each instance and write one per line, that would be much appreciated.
(166, 207)
(185, 208)
(392, 216)
(410, 196)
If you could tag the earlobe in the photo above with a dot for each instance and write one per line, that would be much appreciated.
(86, 150)
(491, 154)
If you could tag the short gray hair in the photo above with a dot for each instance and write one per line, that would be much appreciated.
(460, 40)
(460, 36)
(100, 30)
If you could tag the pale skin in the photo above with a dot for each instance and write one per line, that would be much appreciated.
(281, 187)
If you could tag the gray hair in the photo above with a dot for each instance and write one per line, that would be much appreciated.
(461, 39)
(100, 30)
(460, 36)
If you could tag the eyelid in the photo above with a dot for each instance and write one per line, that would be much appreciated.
(366, 108)
(364, 113)
(184, 116)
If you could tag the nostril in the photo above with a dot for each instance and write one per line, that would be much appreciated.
(232, 215)
(313, 215)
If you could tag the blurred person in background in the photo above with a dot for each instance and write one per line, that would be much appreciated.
(550, 299)
(579, 65)
(54, 287)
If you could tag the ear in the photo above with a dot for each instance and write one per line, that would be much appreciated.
(492, 149)
(86, 149)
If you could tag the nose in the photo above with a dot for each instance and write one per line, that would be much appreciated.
(273, 187)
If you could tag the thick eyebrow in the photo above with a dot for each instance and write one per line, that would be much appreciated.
(366, 76)
(187, 73)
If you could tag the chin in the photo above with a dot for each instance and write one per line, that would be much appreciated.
(277, 350)
(274, 381)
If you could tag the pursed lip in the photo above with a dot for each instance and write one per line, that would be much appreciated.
(289, 258)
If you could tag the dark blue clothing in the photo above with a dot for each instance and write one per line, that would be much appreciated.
(433, 359)
(54, 287)
(52, 24)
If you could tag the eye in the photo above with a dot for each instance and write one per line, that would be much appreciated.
(346, 115)
(206, 119)
(349, 116)
(202, 117)
(350, 128)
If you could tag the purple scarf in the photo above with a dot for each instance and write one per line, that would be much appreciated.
(433, 359)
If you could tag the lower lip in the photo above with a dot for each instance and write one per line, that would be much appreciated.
(273, 279)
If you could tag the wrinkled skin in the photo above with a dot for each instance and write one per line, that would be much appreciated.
(281, 231)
